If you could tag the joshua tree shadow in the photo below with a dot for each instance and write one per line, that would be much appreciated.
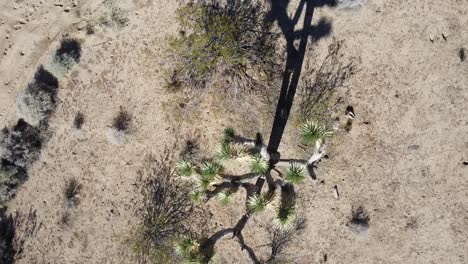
(295, 57)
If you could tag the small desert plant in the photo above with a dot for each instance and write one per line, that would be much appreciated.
(359, 222)
(110, 13)
(295, 173)
(71, 192)
(65, 219)
(222, 38)
(188, 247)
(79, 120)
(312, 132)
(185, 168)
(67, 55)
(210, 170)
(259, 165)
(224, 151)
(122, 121)
(461, 54)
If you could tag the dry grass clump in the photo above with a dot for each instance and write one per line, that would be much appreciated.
(11, 240)
(229, 43)
(319, 86)
(120, 127)
(71, 192)
(79, 120)
(359, 222)
(164, 210)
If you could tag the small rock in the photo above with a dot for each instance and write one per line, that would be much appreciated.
(22, 53)
(17, 27)
(58, 4)
(413, 147)
(75, 3)
(67, 9)
(22, 21)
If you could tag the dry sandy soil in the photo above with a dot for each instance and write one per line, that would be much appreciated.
(410, 88)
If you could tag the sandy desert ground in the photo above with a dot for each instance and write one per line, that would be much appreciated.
(402, 161)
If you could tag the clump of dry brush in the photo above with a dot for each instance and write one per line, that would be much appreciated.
(164, 211)
(228, 43)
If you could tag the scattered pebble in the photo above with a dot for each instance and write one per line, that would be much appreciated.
(335, 192)
(22, 53)
(67, 9)
(17, 27)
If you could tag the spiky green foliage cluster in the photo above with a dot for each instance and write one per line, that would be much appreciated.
(285, 218)
(229, 134)
(185, 167)
(210, 170)
(296, 173)
(197, 195)
(312, 132)
(226, 197)
(258, 203)
(189, 249)
(224, 151)
(217, 35)
(259, 165)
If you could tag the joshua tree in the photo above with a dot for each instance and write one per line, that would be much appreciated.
(211, 179)
(266, 164)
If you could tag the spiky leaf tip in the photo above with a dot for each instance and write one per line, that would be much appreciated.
(259, 165)
(296, 173)
(185, 168)
(257, 204)
(311, 132)
(226, 197)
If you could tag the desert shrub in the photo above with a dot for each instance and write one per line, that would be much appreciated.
(359, 222)
(221, 41)
(461, 54)
(122, 121)
(38, 100)
(164, 211)
(65, 219)
(120, 127)
(111, 14)
(71, 192)
(67, 55)
(11, 242)
(19, 147)
(79, 120)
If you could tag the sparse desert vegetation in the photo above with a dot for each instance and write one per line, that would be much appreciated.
(233, 131)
